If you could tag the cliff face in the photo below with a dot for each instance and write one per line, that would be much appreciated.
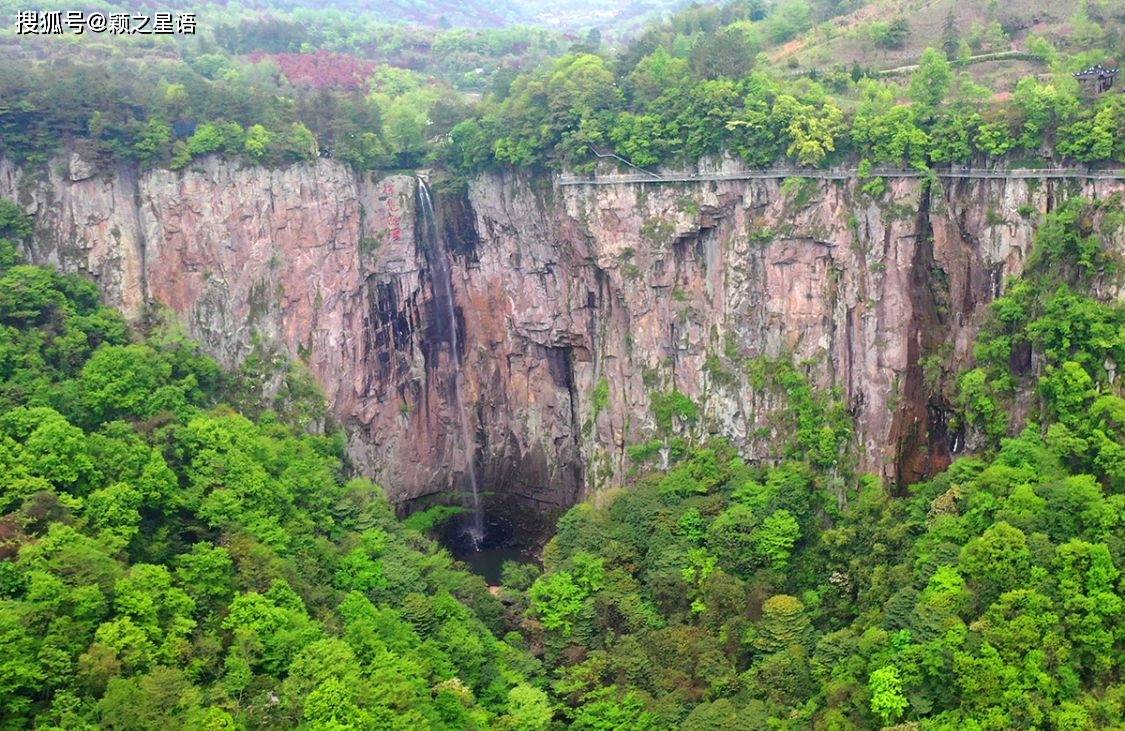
(558, 293)
(662, 287)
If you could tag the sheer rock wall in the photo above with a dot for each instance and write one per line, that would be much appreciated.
(557, 289)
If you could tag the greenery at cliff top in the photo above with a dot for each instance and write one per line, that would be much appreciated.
(747, 78)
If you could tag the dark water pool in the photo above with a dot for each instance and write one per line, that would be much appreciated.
(501, 543)
(489, 562)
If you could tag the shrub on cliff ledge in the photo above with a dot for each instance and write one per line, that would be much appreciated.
(1048, 332)
(672, 409)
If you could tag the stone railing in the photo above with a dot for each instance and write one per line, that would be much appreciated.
(846, 174)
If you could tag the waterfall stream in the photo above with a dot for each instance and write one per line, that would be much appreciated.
(442, 277)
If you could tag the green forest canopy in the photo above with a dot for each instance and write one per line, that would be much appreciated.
(720, 595)
(173, 556)
(166, 561)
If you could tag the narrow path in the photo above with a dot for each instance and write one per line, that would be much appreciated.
(1010, 55)
(847, 174)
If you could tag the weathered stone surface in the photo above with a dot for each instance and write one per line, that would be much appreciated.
(79, 168)
(554, 290)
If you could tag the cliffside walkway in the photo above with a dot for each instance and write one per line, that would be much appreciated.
(846, 174)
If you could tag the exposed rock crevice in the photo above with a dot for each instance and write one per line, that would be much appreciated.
(919, 427)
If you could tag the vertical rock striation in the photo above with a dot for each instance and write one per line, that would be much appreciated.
(556, 291)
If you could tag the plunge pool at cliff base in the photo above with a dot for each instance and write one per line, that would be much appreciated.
(500, 544)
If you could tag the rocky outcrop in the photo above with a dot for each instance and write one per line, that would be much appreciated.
(559, 293)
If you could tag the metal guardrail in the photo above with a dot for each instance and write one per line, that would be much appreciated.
(847, 174)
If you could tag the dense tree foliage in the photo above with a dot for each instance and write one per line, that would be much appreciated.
(174, 553)
(271, 110)
(699, 84)
(1050, 335)
(298, 85)
(166, 562)
(664, 110)
(719, 594)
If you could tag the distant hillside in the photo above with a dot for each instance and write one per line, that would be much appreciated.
(613, 16)
(575, 15)
(436, 13)
(887, 34)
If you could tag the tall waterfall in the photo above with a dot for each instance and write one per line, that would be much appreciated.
(443, 294)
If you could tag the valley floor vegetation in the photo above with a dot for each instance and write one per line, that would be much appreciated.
(722, 595)
(169, 562)
(178, 552)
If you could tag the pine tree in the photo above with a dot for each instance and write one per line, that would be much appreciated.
(950, 38)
